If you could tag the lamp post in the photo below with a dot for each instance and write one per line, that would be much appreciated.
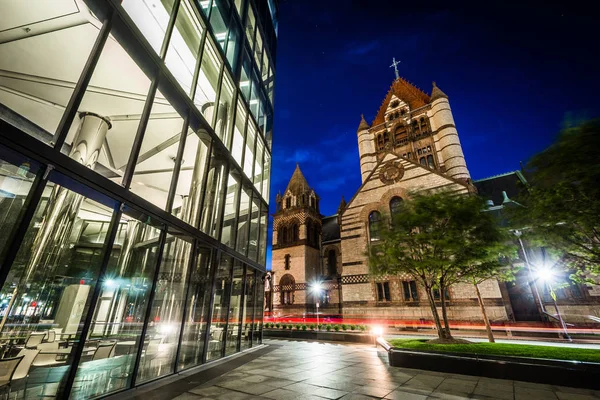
(546, 274)
(532, 284)
(316, 290)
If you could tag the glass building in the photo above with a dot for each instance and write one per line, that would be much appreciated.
(135, 153)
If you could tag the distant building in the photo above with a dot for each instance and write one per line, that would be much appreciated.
(412, 145)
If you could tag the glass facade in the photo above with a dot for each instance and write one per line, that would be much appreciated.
(134, 185)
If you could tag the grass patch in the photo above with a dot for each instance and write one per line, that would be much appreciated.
(503, 349)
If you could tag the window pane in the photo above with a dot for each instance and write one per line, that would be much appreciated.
(254, 229)
(234, 309)
(214, 196)
(231, 202)
(120, 311)
(258, 165)
(250, 24)
(243, 220)
(182, 54)
(254, 96)
(258, 310)
(258, 49)
(206, 89)
(248, 310)
(35, 80)
(225, 111)
(101, 137)
(151, 17)
(233, 45)
(219, 312)
(249, 148)
(266, 177)
(238, 132)
(167, 311)
(190, 184)
(219, 18)
(262, 247)
(196, 318)
(154, 166)
(52, 279)
(16, 176)
(245, 76)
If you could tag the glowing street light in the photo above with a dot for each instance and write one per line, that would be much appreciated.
(546, 275)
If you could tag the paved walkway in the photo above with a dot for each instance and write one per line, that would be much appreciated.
(312, 370)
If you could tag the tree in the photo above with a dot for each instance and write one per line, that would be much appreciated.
(561, 206)
(490, 268)
(438, 239)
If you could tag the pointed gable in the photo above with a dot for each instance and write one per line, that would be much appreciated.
(406, 92)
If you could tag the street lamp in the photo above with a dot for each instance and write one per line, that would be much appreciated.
(316, 290)
(545, 274)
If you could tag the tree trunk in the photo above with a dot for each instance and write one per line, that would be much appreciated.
(488, 328)
(444, 312)
(436, 318)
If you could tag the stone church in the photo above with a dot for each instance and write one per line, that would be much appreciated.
(411, 145)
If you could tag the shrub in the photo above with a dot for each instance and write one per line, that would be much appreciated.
(303, 327)
(328, 327)
(336, 328)
(363, 328)
(344, 327)
(312, 326)
(277, 325)
(352, 327)
(298, 326)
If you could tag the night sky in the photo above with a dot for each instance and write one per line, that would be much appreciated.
(514, 74)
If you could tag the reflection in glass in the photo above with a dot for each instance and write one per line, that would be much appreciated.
(188, 193)
(254, 229)
(233, 45)
(219, 312)
(258, 309)
(182, 53)
(258, 165)
(16, 176)
(109, 114)
(262, 245)
(249, 148)
(266, 176)
(231, 202)
(156, 160)
(208, 81)
(51, 279)
(162, 335)
(35, 80)
(237, 146)
(235, 303)
(225, 110)
(214, 196)
(196, 319)
(243, 220)
(245, 76)
(120, 312)
(151, 17)
(219, 16)
(250, 25)
(248, 310)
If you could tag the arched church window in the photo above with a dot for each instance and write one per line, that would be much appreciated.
(403, 112)
(282, 236)
(422, 161)
(316, 235)
(294, 233)
(380, 142)
(313, 202)
(430, 161)
(331, 263)
(401, 134)
(288, 202)
(395, 103)
(309, 231)
(395, 205)
(423, 123)
(375, 225)
(415, 126)
(286, 289)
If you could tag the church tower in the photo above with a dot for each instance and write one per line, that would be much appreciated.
(296, 243)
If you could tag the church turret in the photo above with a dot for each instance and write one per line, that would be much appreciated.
(446, 137)
(366, 148)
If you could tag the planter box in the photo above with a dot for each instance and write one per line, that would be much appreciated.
(319, 335)
(555, 372)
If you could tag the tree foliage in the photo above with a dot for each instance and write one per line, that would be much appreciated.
(561, 208)
(439, 239)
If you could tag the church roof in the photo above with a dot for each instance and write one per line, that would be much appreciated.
(298, 183)
(406, 92)
(436, 93)
(363, 124)
(493, 188)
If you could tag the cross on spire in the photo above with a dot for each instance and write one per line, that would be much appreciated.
(394, 64)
